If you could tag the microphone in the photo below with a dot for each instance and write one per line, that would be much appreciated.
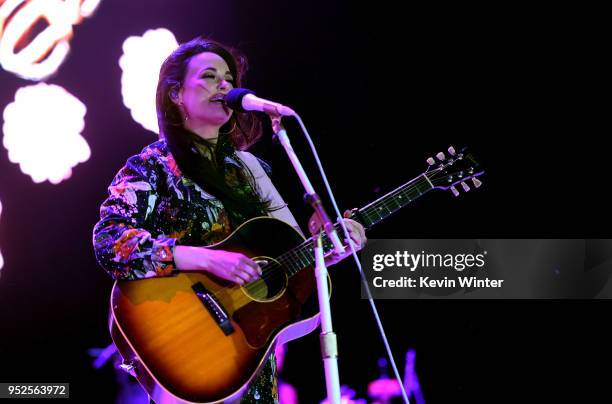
(242, 100)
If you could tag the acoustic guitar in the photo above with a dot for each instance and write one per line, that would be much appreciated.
(196, 338)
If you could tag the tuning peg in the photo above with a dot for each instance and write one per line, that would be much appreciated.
(477, 182)
(441, 156)
(465, 186)
(454, 190)
(431, 161)
(451, 151)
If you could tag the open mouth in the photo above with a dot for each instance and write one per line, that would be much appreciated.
(218, 99)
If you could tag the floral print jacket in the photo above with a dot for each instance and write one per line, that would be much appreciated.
(152, 207)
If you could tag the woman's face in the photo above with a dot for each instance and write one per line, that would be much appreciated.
(207, 80)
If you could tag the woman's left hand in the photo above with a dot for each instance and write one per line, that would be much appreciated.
(357, 237)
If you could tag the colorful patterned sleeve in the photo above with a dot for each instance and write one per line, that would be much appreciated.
(125, 243)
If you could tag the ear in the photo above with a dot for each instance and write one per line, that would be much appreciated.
(176, 95)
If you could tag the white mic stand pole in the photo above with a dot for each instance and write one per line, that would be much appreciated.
(329, 347)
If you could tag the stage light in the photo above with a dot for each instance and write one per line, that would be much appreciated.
(42, 132)
(141, 60)
(88, 7)
(44, 53)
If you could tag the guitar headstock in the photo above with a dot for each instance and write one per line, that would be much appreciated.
(454, 170)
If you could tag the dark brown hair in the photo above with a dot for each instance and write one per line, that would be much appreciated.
(239, 133)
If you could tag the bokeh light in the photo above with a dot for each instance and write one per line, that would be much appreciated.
(42, 132)
(141, 60)
(43, 54)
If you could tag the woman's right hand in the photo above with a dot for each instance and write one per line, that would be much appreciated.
(234, 267)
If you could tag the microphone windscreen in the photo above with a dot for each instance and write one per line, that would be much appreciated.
(233, 99)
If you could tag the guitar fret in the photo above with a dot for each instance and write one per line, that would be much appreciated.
(369, 219)
(303, 258)
(310, 253)
(294, 267)
(396, 203)
(406, 194)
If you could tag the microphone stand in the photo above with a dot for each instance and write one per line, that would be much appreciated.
(329, 347)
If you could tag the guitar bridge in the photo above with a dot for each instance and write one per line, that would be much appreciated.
(214, 308)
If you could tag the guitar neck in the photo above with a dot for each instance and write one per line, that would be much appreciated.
(395, 200)
(302, 256)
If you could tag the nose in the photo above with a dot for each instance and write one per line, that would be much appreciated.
(224, 85)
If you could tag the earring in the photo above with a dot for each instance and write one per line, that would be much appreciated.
(184, 112)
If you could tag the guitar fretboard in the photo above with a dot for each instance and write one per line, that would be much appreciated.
(302, 256)
(395, 200)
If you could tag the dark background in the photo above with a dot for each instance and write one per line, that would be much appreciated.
(381, 89)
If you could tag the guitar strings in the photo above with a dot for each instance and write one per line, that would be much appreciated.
(286, 260)
(305, 248)
(410, 190)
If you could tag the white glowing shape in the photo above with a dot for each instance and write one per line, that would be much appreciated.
(141, 60)
(53, 40)
(88, 7)
(1, 259)
(42, 132)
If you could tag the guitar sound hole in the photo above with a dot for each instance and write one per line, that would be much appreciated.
(271, 284)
